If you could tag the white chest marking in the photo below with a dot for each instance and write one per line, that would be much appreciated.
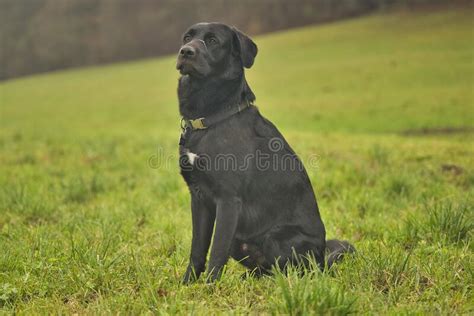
(191, 157)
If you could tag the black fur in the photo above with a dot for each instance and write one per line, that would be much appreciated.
(263, 215)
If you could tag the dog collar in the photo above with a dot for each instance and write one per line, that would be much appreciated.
(205, 122)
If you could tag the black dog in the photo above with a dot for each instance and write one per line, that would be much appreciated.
(242, 174)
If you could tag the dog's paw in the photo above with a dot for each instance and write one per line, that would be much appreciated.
(254, 274)
(214, 274)
(190, 276)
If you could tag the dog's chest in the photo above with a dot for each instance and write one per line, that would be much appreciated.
(209, 160)
(192, 162)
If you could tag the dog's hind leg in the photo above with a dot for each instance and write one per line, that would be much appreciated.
(250, 256)
(289, 245)
(336, 249)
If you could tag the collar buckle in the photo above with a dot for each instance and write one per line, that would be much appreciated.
(194, 124)
(198, 123)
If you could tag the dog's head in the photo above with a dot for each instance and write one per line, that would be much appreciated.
(215, 49)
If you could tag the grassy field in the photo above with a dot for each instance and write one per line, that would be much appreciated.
(95, 218)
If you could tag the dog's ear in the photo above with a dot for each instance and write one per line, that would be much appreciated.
(244, 47)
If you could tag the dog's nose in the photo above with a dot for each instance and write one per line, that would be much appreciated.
(187, 51)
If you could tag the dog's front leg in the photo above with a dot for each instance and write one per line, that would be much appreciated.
(203, 222)
(226, 224)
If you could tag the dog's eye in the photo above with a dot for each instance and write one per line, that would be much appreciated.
(187, 38)
(212, 40)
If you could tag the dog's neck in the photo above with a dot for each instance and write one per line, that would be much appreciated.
(201, 98)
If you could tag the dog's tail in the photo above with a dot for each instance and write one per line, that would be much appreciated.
(336, 250)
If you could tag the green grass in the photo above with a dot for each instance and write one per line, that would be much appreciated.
(94, 216)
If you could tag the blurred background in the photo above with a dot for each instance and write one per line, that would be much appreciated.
(44, 35)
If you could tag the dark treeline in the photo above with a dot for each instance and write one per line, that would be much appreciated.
(43, 35)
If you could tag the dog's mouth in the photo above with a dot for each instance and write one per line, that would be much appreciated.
(182, 65)
(185, 66)
(191, 67)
